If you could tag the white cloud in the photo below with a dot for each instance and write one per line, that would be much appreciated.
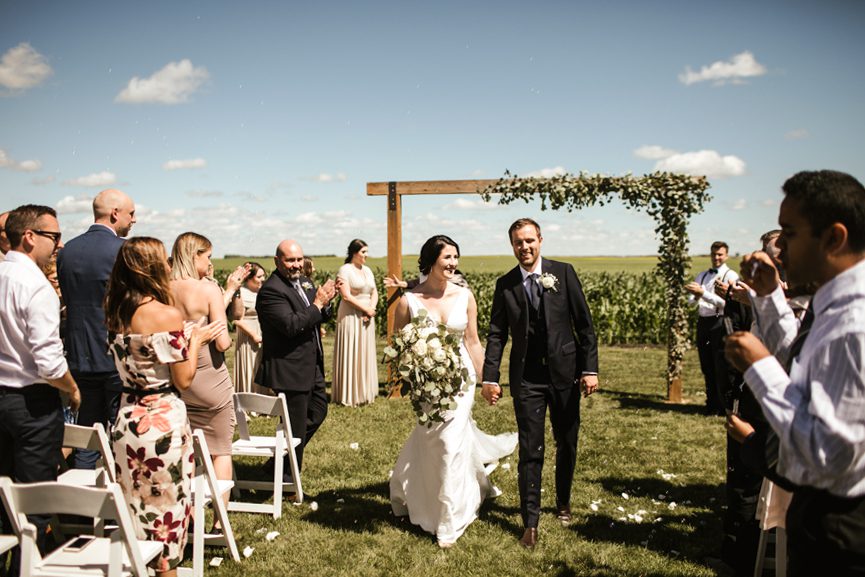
(477, 173)
(769, 202)
(43, 181)
(740, 204)
(174, 84)
(23, 67)
(23, 165)
(461, 203)
(702, 163)
(103, 178)
(735, 70)
(547, 172)
(653, 152)
(204, 193)
(797, 134)
(75, 204)
(181, 164)
(326, 177)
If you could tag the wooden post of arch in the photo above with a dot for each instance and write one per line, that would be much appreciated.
(394, 192)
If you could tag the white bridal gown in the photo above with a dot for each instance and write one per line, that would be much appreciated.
(439, 479)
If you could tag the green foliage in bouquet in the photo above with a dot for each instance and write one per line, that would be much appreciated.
(424, 356)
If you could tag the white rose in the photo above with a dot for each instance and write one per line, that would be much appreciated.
(548, 282)
(434, 344)
(419, 348)
(439, 355)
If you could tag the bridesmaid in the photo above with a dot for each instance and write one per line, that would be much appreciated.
(355, 372)
(248, 331)
(209, 401)
(152, 439)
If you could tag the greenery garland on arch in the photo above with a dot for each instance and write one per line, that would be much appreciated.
(671, 199)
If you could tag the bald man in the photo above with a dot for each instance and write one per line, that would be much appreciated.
(5, 246)
(290, 311)
(83, 268)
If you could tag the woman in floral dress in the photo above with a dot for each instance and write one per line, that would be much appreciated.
(152, 439)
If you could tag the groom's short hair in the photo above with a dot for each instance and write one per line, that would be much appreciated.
(520, 223)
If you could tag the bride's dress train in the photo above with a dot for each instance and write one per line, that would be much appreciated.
(439, 479)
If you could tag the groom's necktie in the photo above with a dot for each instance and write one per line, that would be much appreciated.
(534, 290)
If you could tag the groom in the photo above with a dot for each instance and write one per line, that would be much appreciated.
(541, 303)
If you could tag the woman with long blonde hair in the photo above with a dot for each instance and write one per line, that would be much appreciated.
(208, 401)
(152, 439)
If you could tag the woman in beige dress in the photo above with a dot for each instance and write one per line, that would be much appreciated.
(248, 346)
(209, 402)
(355, 373)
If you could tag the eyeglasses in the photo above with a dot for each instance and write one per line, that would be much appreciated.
(53, 235)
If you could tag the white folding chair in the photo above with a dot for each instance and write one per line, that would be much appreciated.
(94, 439)
(771, 514)
(7, 542)
(121, 554)
(208, 490)
(275, 447)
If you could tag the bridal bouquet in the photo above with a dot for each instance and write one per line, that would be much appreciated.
(425, 357)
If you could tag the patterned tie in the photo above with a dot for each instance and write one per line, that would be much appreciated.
(300, 291)
(534, 291)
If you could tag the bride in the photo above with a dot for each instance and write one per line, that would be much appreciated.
(440, 479)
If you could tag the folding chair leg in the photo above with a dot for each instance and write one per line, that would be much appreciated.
(761, 554)
(277, 483)
(780, 552)
(198, 533)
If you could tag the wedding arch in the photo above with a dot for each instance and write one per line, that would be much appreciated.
(671, 199)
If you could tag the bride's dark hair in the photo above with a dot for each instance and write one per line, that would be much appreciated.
(431, 249)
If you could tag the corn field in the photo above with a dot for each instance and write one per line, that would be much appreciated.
(627, 308)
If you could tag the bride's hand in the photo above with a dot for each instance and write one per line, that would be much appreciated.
(491, 392)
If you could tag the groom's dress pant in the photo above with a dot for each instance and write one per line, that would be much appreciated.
(530, 402)
(306, 410)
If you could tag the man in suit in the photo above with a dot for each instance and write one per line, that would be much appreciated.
(541, 304)
(83, 268)
(290, 311)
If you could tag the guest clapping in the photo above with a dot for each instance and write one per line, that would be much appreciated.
(208, 400)
(152, 439)
(355, 372)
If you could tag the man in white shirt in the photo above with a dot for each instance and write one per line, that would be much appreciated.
(818, 411)
(32, 367)
(710, 326)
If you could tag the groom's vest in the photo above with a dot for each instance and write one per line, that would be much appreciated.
(536, 369)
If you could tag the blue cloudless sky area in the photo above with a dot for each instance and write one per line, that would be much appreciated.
(256, 121)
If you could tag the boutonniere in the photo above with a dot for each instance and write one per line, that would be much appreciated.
(549, 282)
(306, 285)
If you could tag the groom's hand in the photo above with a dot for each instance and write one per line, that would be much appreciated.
(491, 392)
(588, 384)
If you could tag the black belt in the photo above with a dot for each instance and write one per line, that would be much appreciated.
(139, 393)
(28, 389)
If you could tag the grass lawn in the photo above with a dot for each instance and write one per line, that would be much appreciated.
(638, 456)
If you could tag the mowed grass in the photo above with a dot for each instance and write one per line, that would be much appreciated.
(661, 464)
(468, 263)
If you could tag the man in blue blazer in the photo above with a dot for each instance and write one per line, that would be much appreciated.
(290, 311)
(554, 355)
(83, 268)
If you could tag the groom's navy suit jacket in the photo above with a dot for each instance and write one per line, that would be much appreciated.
(572, 347)
(290, 336)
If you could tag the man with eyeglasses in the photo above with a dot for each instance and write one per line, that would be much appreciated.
(4, 240)
(32, 367)
(83, 269)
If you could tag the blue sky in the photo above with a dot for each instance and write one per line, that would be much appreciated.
(256, 121)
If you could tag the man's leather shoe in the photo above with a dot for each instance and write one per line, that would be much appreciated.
(530, 538)
(563, 514)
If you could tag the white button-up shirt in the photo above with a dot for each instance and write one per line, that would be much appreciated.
(30, 346)
(818, 411)
(709, 304)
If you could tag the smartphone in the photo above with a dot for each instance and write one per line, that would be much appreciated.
(728, 325)
(79, 543)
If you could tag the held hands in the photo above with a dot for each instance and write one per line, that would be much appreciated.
(760, 273)
(326, 293)
(588, 384)
(491, 392)
(743, 349)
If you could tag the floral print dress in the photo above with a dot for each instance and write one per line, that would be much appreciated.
(153, 441)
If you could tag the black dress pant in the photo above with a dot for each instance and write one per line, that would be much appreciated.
(710, 347)
(31, 435)
(307, 411)
(825, 534)
(100, 400)
(530, 404)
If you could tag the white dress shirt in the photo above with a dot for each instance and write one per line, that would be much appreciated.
(818, 411)
(30, 346)
(709, 304)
